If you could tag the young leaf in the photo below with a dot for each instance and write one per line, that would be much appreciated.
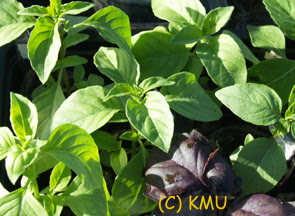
(21, 202)
(248, 139)
(223, 60)
(18, 159)
(130, 135)
(247, 53)
(188, 35)
(35, 10)
(105, 141)
(56, 4)
(71, 61)
(53, 205)
(282, 13)
(216, 19)
(117, 64)
(113, 25)
(188, 98)
(60, 177)
(254, 103)
(156, 55)
(283, 126)
(131, 182)
(119, 90)
(94, 79)
(291, 99)
(261, 164)
(119, 160)
(43, 46)
(290, 113)
(13, 25)
(152, 118)
(74, 39)
(6, 141)
(47, 104)
(154, 82)
(23, 117)
(75, 7)
(180, 12)
(75, 148)
(79, 73)
(268, 37)
(85, 108)
(279, 74)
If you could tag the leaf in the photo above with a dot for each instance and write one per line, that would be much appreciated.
(130, 135)
(254, 103)
(21, 202)
(279, 74)
(60, 177)
(261, 164)
(248, 139)
(282, 126)
(223, 60)
(156, 55)
(74, 39)
(44, 45)
(47, 104)
(293, 130)
(235, 154)
(6, 141)
(188, 35)
(290, 112)
(282, 13)
(117, 64)
(23, 117)
(247, 53)
(105, 141)
(291, 99)
(188, 98)
(3, 191)
(13, 25)
(56, 4)
(75, 148)
(86, 108)
(268, 37)
(152, 118)
(35, 10)
(194, 66)
(216, 19)
(71, 61)
(113, 25)
(154, 82)
(115, 209)
(18, 160)
(180, 12)
(130, 182)
(79, 73)
(119, 160)
(85, 201)
(119, 90)
(76, 7)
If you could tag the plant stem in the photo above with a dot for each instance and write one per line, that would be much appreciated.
(36, 189)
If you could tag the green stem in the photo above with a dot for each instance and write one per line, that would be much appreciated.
(36, 189)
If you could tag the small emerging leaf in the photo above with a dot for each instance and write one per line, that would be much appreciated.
(154, 82)
(119, 160)
(6, 141)
(60, 177)
(75, 7)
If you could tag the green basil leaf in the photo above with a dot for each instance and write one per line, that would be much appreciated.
(283, 126)
(79, 73)
(21, 202)
(56, 4)
(75, 148)
(119, 90)
(223, 60)
(71, 61)
(115, 209)
(279, 74)
(291, 99)
(94, 79)
(35, 10)
(216, 19)
(47, 104)
(290, 113)
(105, 141)
(247, 53)
(113, 25)
(154, 82)
(75, 7)
(188, 35)
(261, 164)
(248, 139)
(129, 194)
(189, 99)
(194, 66)
(268, 37)
(282, 13)
(3, 191)
(156, 55)
(235, 154)
(119, 160)
(23, 117)
(117, 64)
(53, 205)
(13, 25)
(181, 12)
(85, 108)
(254, 103)
(152, 118)
(18, 160)
(44, 45)
(6, 141)
(74, 39)
(60, 177)
(130, 135)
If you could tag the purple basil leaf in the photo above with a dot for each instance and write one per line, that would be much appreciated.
(260, 205)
